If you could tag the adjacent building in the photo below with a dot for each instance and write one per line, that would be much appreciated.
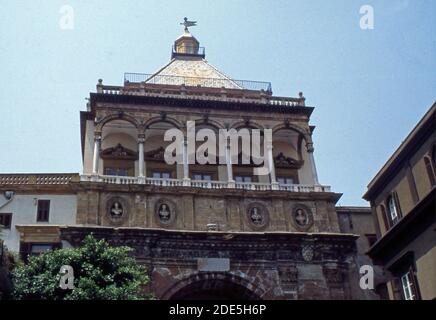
(402, 198)
(35, 200)
(359, 221)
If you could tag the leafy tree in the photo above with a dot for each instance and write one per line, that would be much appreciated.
(101, 272)
(8, 262)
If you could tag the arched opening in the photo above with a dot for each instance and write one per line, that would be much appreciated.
(211, 171)
(155, 165)
(214, 289)
(288, 157)
(214, 286)
(253, 155)
(119, 149)
(430, 170)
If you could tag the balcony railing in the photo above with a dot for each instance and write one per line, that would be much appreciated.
(138, 90)
(186, 50)
(253, 186)
(197, 82)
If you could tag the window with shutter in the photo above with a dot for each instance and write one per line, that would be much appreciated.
(409, 285)
(393, 207)
(397, 204)
(43, 211)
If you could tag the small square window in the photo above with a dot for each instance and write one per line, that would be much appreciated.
(285, 180)
(243, 179)
(161, 175)
(6, 220)
(39, 248)
(121, 172)
(202, 177)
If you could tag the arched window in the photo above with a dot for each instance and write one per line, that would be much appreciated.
(430, 170)
(393, 208)
(430, 166)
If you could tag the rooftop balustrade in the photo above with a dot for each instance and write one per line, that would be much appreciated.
(204, 184)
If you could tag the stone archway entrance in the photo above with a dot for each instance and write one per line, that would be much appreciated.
(213, 286)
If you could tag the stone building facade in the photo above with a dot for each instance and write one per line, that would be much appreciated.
(207, 231)
(402, 198)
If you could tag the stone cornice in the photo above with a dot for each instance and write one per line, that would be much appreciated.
(192, 103)
(420, 133)
(229, 193)
(250, 245)
(412, 225)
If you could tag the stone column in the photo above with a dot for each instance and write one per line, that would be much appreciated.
(186, 179)
(230, 181)
(310, 150)
(272, 170)
(97, 146)
(141, 164)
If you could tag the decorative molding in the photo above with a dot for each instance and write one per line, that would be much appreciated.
(281, 161)
(301, 217)
(155, 155)
(257, 216)
(165, 212)
(307, 253)
(118, 152)
(117, 210)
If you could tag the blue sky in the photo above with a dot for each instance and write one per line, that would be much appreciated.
(369, 87)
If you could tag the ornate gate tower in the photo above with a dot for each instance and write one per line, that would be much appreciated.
(210, 231)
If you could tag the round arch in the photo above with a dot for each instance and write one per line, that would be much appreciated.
(213, 286)
(304, 135)
(209, 123)
(245, 124)
(167, 119)
(295, 128)
(114, 117)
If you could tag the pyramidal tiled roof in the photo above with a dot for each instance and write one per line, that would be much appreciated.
(192, 71)
(189, 67)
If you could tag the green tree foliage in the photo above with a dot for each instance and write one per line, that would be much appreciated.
(101, 272)
(8, 262)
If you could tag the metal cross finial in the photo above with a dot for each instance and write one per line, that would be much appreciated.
(188, 23)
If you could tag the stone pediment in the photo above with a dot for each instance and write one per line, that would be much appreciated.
(155, 155)
(281, 161)
(118, 152)
(192, 72)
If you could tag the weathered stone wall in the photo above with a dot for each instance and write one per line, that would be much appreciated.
(195, 209)
(265, 265)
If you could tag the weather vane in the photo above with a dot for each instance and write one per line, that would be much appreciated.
(188, 23)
